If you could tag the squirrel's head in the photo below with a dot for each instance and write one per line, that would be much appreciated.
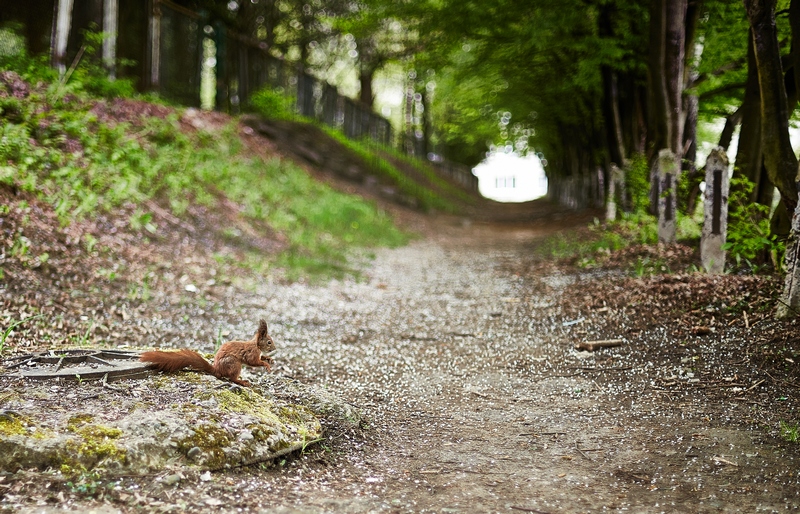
(263, 339)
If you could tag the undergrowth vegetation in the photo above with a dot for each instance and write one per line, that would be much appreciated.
(635, 226)
(57, 143)
(750, 242)
(272, 103)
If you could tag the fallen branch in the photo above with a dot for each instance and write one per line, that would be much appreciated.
(785, 382)
(577, 447)
(591, 346)
(724, 461)
(106, 385)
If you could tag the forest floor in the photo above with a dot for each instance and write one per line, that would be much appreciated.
(459, 350)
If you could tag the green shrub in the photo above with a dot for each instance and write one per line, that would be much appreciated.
(273, 103)
(637, 183)
(749, 240)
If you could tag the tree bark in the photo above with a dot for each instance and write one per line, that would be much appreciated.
(749, 160)
(688, 164)
(793, 71)
(779, 157)
(731, 122)
(657, 94)
(613, 121)
(366, 95)
(674, 56)
(666, 74)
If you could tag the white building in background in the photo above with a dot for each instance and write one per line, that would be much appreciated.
(507, 177)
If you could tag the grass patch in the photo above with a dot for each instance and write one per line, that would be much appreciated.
(325, 228)
(427, 198)
(790, 431)
(426, 171)
(587, 246)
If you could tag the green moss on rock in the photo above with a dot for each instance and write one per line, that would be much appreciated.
(211, 439)
(13, 424)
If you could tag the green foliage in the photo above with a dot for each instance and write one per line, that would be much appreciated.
(89, 74)
(323, 226)
(273, 103)
(427, 172)
(749, 240)
(790, 431)
(645, 266)
(87, 484)
(637, 183)
(601, 239)
(723, 30)
(638, 228)
(688, 227)
(85, 75)
(11, 327)
(14, 56)
(427, 199)
(527, 74)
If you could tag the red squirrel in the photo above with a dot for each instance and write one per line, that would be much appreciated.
(227, 362)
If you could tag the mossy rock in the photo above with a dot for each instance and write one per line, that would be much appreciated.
(148, 425)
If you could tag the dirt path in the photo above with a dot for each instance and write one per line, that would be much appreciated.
(476, 400)
(478, 404)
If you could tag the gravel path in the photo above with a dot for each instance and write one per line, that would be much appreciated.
(478, 404)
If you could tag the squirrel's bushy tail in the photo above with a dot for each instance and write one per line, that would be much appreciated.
(174, 361)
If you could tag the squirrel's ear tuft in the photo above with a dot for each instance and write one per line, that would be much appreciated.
(263, 330)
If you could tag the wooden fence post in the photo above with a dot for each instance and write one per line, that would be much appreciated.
(668, 170)
(616, 189)
(715, 220)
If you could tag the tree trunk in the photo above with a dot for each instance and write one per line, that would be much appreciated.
(779, 157)
(615, 141)
(365, 79)
(674, 56)
(793, 71)
(731, 122)
(666, 74)
(657, 94)
(426, 123)
(689, 161)
(748, 156)
(62, 23)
